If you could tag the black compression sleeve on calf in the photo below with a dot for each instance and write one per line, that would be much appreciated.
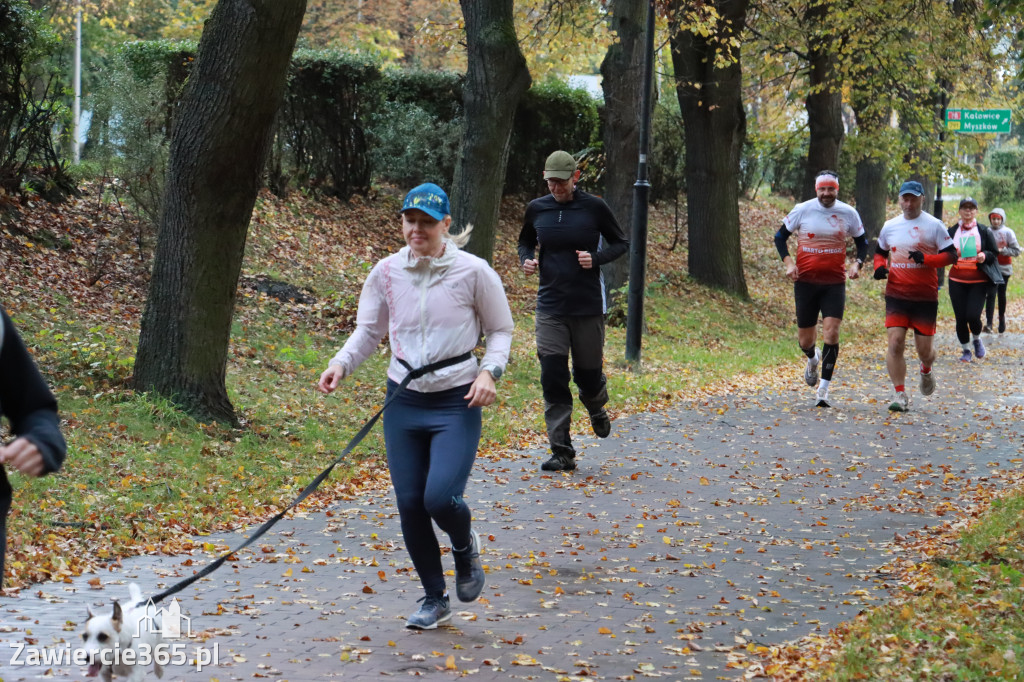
(861, 243)
(780, 242)
(829, 353)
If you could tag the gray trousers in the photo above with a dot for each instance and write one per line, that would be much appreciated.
(558, 337)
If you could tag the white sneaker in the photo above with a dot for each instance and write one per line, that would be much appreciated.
(823, 397)
(927, 383)
(900, 402)
(811, 371)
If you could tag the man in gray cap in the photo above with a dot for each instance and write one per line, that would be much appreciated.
(576, 233)
(910, 247)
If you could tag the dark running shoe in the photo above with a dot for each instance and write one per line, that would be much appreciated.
(469, 572)
(601, 424)
(559, 463)
(433, 611)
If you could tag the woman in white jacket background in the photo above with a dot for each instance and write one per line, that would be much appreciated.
(1006, 242)
(434, 301)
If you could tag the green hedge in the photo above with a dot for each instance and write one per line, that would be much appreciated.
(997, 189)
(1006, 162)
(322, 123)
(346, 122)
(550, 116)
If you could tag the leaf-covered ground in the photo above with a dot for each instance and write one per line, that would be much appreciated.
(142, 478)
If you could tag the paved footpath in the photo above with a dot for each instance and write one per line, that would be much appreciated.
(684, 538)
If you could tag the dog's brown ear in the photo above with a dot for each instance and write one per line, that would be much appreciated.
(89, 614)
(118, 616)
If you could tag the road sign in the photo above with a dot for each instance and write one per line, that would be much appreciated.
(978, 120)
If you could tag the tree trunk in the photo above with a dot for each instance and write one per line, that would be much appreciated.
(622, 74)
(871, 186)
(711, 101)
(824, 100)
(218, 147)
(496, 79)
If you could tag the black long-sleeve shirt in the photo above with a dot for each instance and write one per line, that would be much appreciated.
(583, 224)
(26, 400)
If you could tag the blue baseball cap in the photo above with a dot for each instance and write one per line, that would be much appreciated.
(912, 187)
(428, 198)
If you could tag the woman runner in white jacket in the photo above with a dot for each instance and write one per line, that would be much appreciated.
(1008, 249)
(434, 301)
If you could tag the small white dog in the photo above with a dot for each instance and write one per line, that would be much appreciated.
(123, 642)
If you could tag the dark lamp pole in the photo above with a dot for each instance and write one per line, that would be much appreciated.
(641, 192)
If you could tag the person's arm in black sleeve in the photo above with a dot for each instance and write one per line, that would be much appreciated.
(781, 237)
(861, 243)
(527, 237)
(988, 246)
(27, 401)
(615, 242)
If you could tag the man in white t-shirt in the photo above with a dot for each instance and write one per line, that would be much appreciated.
(819, 273)
(910, 248)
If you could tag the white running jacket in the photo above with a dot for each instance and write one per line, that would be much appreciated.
(432, 309)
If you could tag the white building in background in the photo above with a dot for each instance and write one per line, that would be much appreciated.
(592, 84)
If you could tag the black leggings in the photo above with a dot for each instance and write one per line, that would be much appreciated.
(968, 301)
(990, 300)
(431, 441)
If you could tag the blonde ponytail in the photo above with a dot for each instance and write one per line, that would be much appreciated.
(462, 238)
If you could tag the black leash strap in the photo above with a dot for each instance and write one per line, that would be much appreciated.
(315, 483)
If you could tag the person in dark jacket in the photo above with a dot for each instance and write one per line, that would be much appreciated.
(970, 278)
(31, 409)
(576, 233)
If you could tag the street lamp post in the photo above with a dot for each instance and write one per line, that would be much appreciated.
(77, 127)
(641, 192)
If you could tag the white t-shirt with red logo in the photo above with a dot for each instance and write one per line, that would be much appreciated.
(899, 236)
(821, 239)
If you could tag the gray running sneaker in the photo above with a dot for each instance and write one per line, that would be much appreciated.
(823, 398)
(811, 371)
(469, 572)
(433, 611)
(979, 348)
(900, 402)
(927, 383)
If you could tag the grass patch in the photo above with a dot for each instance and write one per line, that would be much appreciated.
(960, 618)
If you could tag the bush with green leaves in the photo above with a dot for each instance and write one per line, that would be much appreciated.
(134, 127)
(551, 115)
(345, 121)
(668, 152)
(997, 189)
(31, 107)
(409, 145)
(1004, 165)
(321, 135)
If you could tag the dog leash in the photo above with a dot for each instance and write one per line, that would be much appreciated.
(321, 477)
